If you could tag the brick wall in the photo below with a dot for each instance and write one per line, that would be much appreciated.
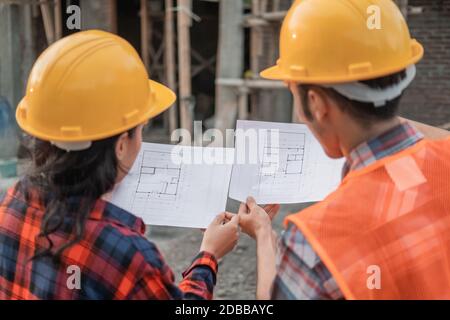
(428, 99)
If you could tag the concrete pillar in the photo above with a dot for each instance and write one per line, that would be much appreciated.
(16, 59)
(10, 71)
(99, 14)
(230, 61)
(16, 50)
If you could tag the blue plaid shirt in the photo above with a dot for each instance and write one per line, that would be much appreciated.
(113, 257)
(301, 274)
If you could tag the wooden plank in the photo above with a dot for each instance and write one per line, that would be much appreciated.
(230, 61)
(250, 21)
(58, 20)
(28, 44)
(112, 17)
(256, 7)
(413, 11)
(274, 16)
(263, 19)
(48, 22)
(263, 6)
(243, 103)
(144, 34)
(203, 65)
(169, 60)
(255, 48)
(251, 83)
(184, 64)
(276, 5)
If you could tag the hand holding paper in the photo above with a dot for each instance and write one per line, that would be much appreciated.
(254, 220)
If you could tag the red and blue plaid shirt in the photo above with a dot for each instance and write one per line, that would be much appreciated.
(113, 259)
(300, 272)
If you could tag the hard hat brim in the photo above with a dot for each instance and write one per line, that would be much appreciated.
(276, 72)
(164, 98)
(273, 73)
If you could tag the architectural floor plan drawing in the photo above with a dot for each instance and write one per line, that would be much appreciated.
(163, 191)
(286, 157)
(158, 177)
(281, 166)
(291, 167)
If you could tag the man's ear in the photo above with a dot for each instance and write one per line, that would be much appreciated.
(318, 104)
(122, 146)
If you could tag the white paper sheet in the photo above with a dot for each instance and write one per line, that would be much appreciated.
(165, 192)
(291, 166)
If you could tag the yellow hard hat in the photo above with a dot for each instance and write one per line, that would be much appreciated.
(89, 86)
(325, 41)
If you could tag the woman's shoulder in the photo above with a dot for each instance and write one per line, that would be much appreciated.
(17, 199)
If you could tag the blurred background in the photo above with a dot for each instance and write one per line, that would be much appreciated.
(210, 52)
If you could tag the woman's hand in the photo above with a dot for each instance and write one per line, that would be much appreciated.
(254, 220)
(222, 235)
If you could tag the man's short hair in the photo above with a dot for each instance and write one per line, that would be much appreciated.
(366, 113)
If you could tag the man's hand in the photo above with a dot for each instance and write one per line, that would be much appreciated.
(254, 220)
(222, 235)
(257, 223)
(272, 210)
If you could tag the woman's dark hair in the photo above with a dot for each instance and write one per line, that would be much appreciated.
(68, 184)
(365, 113)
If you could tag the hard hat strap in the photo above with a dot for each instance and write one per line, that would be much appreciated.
(379, 97)
(72, 146)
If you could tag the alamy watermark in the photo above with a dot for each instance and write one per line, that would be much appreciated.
(74, 277)
(374, 277)
(250, 146)
(374, 17)
(73, 22)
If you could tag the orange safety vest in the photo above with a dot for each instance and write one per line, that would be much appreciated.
(385, 232)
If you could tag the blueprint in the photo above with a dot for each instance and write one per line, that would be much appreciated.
(165, 190)
(290, 166)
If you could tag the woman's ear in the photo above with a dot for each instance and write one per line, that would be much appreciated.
(122, 146)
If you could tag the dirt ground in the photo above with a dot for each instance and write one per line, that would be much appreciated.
(237, 271)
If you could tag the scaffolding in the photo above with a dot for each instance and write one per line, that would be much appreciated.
(244, 95)
(168, 55)
(161, 52)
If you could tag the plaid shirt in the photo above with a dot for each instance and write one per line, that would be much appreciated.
(113, 259)
(300, 272)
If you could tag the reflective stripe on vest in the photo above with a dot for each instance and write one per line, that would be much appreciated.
(385, 232)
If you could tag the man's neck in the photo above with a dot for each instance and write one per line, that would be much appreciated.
(356, 134)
